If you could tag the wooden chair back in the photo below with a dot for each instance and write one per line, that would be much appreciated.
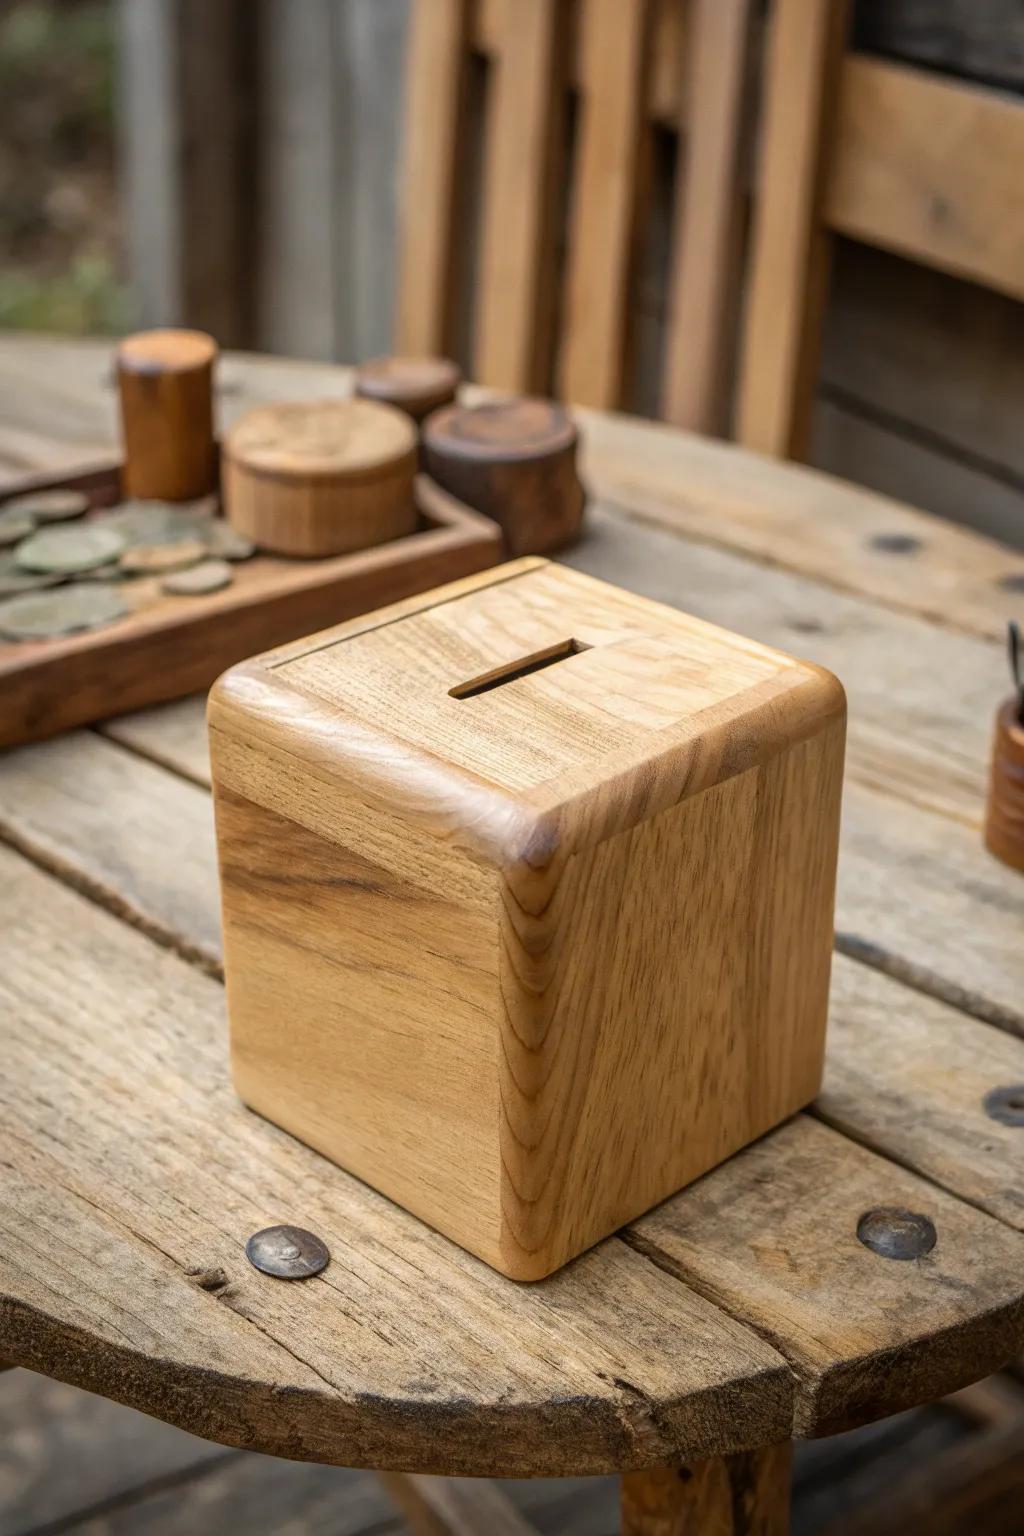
(573, 92)
(529, 134)
(925, 166)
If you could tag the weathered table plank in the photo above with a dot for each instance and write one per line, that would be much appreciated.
(126, 1207)
(771, 1237)
(132, 1177)
(909, 1076)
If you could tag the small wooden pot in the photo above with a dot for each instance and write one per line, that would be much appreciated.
(415, 385)
(165, 381)
(320, 477)
(1004, 821)
(515, 460)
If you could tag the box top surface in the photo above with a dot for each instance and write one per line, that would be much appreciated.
(533, 672)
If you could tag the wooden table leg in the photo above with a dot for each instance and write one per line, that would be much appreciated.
(743, 1495)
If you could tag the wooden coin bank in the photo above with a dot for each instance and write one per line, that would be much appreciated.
(165, 384)
(528, 895)
(320, 478)
(515, 460)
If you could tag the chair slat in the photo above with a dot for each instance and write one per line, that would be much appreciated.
(705, 271)
(931, 168)
(788, 269)
(437, 62)
(604, 200)
(525, 127)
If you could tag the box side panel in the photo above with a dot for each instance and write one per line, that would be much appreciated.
(362, 998)
(666, 1002)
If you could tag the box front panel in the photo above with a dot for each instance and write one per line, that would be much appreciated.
(669, 1004)
(362, 998)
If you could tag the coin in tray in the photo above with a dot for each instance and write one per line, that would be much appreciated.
(50, 506)
(60, 611)
(66, 551)
(14, 528)
(155, 559)
(198, 580)
(14, 580)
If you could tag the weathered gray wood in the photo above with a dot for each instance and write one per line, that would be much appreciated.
(369, 89)
(66, 1451)
(406, 1354)
(908, 1076)
(940, 357)
(851, 440)
(136, 839)
(296, 250)
(438, 1506)
(772, 1235)
(976, 1485)
(982, 41)
(184, 102)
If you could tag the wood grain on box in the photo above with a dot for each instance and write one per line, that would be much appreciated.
(581, 851)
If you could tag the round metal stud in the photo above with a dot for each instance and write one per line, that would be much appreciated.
(1005, 1104)
(896, 543)
(288, 1253)
(895, 1233)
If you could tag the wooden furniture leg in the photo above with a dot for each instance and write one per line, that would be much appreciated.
(742, 1495)
(453, 1506)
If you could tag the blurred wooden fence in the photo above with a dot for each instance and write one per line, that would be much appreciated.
(261, 170)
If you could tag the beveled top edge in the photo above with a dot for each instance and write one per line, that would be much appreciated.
(349, 438)
(166, 350)
(511, 427)
(410, 380)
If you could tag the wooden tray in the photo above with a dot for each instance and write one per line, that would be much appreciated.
(177, 645)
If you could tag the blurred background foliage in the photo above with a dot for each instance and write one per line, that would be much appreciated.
(59, 230)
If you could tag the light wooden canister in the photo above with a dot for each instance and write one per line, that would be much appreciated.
(1004, 821)
(320, 477)
(165, 382)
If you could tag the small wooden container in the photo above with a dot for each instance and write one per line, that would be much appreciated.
(515, 460)
(1004, 821)
(527, 889)
(321, 477)
(415, 385)
(165, 382)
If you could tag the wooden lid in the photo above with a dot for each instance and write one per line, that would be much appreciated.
(516, 428)
(540, 688)
(420, 383)
(166, 351)
(346, 439)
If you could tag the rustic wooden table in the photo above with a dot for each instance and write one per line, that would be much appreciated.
(743, 1312)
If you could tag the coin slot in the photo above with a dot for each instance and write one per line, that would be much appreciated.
(512, 670)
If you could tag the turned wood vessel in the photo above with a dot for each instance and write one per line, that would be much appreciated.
(515, 460)
(415, 385)
(320, 477)
(165, 383)
(1004, 820)
(527, 889)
